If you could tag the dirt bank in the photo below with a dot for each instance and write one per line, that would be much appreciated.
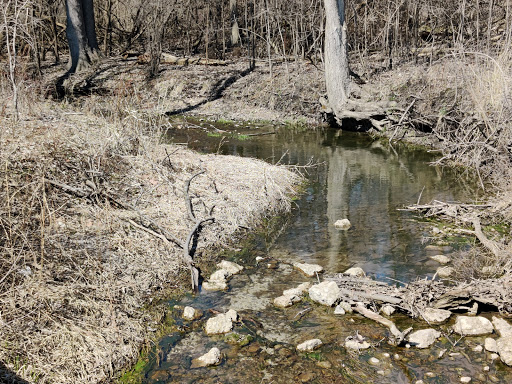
(85, 204)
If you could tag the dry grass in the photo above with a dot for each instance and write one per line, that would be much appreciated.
(75, 275)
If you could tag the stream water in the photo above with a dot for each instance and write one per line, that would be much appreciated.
(357, 178)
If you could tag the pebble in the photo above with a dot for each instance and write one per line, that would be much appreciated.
(478, 348)
(324, 364)
(495, 356)
(374, 361)
(465, 379)
(430, 374)
(419, 382)
(486, 368)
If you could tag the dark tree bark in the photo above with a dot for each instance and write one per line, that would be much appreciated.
(81, 34)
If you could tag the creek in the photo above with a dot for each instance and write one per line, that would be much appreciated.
(357, 178)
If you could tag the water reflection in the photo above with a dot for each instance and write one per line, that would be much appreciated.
(356, 178)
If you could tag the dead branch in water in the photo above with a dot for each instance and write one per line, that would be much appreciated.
(398, 336)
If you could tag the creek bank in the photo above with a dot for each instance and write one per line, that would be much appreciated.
(120, 208)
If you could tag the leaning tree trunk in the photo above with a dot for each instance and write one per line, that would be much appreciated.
(337, 74)
(81, 34)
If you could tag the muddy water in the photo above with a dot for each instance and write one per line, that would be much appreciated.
(355, 178)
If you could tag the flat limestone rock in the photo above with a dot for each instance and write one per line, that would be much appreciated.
(441, 259)
(309, 270)
(326, 293)
(309, 345)
(343, 224)
(356, 345)
(490, 345)
(445, 272)
(299, 291)
(232, 268)
(219, 275)
(222, 323)
(215, 285)
(208, 359)
(355, 271)
(424, 338)
(502, 326)
(472, 326)
(286, 301)
(436, 316)
(504, 345)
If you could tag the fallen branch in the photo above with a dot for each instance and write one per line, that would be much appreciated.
(397, 334)
(188, 201)
(194, 272)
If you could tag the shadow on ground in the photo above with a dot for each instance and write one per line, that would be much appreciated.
(9, 377)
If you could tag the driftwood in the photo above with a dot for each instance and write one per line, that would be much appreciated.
(413, 298)
(398, 336)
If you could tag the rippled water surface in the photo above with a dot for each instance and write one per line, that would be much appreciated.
(357, 178)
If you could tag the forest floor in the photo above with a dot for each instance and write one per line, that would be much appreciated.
(95, 209)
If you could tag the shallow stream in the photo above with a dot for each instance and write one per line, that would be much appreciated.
(354, 177)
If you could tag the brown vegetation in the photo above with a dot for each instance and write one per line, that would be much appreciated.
(76, 272)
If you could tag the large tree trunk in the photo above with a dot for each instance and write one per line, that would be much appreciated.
(337, 74)
(81, 34)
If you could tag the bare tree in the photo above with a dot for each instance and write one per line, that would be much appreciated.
(81, 34)
(15, 27)
(337, 74)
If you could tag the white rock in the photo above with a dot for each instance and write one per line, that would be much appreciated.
(373, 361)
(345, 306)
(494, 356)
(472, 326)
(445, 272)
(504, 345)
(309, 345)
(222, 323)
(356, 345)
(286, 301)
(486, 368)
(232, 315)
(339, 310)
(388, 310)
(424, 338)
(490, 345)
(465, 379)
(419, 382)
(215, 285)
(208, 359)
(190, 313)
(309, 270)
(503, 327)
(478, 348)
(441, 259)
(326, 293)
(436, 316)
(219, 275)
(343, 224)
(299, 291)
(232, 268)
(355, 271)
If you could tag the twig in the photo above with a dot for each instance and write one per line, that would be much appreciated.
(188, 201)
